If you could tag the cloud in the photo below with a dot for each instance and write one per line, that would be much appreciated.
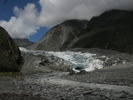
(23, 24)
(27, 21)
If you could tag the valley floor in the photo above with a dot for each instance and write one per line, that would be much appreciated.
(115, 75)
(109, 83)
(57, 86)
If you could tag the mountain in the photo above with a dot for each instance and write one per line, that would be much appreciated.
(111, 30)
(61, 36)
(23, 42)
(10, 56)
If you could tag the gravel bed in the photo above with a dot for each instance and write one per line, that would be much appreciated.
(115, 75)
(28, 87)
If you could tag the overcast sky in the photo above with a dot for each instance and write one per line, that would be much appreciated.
(27, 19)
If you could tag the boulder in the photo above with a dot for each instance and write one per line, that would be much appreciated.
(10, 56)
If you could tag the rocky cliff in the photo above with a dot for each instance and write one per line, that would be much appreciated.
(10, 57)
(111, 30)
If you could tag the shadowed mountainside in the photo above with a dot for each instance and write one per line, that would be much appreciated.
(112, 30)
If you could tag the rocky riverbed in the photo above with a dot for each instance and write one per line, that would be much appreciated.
(52, 87)
(39, 82)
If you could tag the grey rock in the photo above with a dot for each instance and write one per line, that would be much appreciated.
(61, 36)
(10, 56)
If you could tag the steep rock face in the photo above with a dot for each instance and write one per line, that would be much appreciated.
(10, 57)
(111, 30)
(61, 36)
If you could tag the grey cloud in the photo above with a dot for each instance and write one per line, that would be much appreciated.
(28, 20)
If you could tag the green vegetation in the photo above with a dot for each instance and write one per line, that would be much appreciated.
(112, 30)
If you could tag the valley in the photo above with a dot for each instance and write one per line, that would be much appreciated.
(74, 60)
(49, 80)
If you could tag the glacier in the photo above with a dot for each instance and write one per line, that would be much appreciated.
(78, 61)
(85, 61)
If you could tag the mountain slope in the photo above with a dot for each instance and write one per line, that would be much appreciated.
(23, 42)
(111, 30)
(61, 36)
(10, 57)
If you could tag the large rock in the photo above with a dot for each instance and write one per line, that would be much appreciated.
(10, 56)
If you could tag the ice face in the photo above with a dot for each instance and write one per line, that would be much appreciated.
(84, 61)
(78, 60)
